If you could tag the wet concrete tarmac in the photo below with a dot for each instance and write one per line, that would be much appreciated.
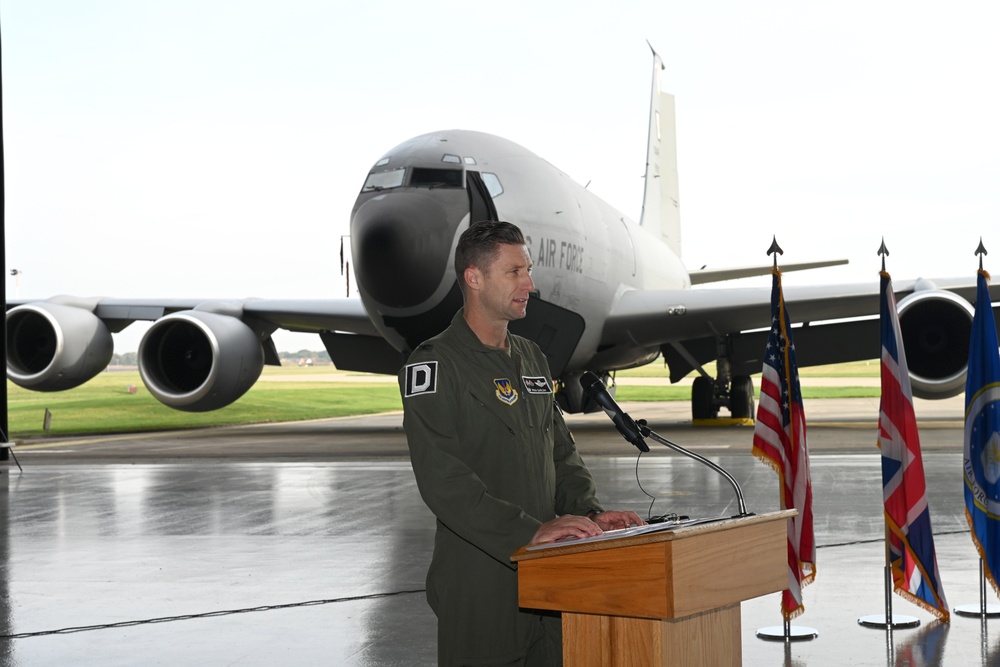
(307, 543)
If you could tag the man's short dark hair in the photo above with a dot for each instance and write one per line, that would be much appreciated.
(479, 245)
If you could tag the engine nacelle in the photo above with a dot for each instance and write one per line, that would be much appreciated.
(52, 347)
(936, 326)
(198, 361)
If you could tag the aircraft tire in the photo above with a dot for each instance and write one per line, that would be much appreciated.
(741, 397)
(702, 399)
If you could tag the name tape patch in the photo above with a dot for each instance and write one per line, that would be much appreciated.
(421, 378)
(536, 385)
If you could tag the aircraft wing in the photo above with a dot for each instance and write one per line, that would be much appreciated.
(346, 315)
(198, 354)
(347, 332)
(306, 315)
(343, 325)
(835, 323)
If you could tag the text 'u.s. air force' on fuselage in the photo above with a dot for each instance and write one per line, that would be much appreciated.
(611, 294)
(553, 254)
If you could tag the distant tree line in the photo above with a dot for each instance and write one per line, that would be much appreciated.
(321, 357)
(125, 359)
(317, 357)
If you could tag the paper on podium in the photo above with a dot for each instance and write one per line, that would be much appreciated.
(618, 533)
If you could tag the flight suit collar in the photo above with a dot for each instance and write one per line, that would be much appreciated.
(467, 338)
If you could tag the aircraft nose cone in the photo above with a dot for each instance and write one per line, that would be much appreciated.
(402, 242)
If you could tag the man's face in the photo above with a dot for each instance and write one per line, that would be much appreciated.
(506, 283)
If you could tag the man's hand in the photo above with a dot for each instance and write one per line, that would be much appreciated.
(567, 525)
(613, 520)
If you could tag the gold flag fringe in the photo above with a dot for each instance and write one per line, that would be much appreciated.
(982, 553)
(941, 612)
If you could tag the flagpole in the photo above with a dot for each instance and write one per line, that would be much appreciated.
(786, 632)
(984, 609)
(902, 475)
(887, 581)
(887, 620)
(983, 373)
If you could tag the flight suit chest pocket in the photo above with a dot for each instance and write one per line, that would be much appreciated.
(486, 412)
(537, 390)
(515, 407)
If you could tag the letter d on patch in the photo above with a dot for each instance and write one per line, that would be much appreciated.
(421, 378)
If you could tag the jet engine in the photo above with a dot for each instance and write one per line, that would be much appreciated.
(52, 347)
(199, 361)
(936, 326)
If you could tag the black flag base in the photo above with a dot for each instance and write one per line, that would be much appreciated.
(787, 633)
(984, 609)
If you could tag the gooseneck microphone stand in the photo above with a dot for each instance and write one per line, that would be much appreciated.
(649, 433)
(635, 431)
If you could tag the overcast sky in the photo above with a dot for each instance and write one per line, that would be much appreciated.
(215, 148)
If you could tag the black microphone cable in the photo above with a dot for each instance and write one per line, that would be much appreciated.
(650, 517)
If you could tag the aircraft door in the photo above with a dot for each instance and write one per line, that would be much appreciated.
(481, 206)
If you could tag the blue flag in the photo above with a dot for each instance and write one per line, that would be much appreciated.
(982, 434)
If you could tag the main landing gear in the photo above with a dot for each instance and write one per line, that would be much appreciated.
(709, 394)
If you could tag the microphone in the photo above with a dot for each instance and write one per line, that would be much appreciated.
(595, 390)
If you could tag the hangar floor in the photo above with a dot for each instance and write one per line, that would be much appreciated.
(307, 543)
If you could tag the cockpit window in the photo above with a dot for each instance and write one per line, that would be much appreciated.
(493, 185)
(380, 180)
(447, 178)
(453, 159)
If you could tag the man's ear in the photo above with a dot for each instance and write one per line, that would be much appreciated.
(473, 278)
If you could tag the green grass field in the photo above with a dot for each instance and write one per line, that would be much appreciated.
(106, 404)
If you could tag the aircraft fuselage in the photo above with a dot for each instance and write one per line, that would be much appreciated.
(422, 194)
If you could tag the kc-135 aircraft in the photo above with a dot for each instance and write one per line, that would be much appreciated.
(610, 294)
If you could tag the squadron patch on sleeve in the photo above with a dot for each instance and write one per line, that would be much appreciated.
(536, 385)
(505, 391)
(421, 378)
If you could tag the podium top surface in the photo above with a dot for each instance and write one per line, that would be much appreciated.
(668, 535)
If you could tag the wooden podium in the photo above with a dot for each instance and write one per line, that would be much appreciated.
(665, 598)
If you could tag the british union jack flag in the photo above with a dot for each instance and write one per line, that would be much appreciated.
(910, 540)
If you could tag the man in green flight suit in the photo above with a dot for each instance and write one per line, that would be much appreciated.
(493, 460)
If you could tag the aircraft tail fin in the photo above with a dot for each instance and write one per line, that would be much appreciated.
(660, 211)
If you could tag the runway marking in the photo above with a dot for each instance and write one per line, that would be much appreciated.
(101, 439)
(86, 441)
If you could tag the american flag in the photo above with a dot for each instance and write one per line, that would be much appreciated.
(779, 440)
(909, 537)
(982, 434)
